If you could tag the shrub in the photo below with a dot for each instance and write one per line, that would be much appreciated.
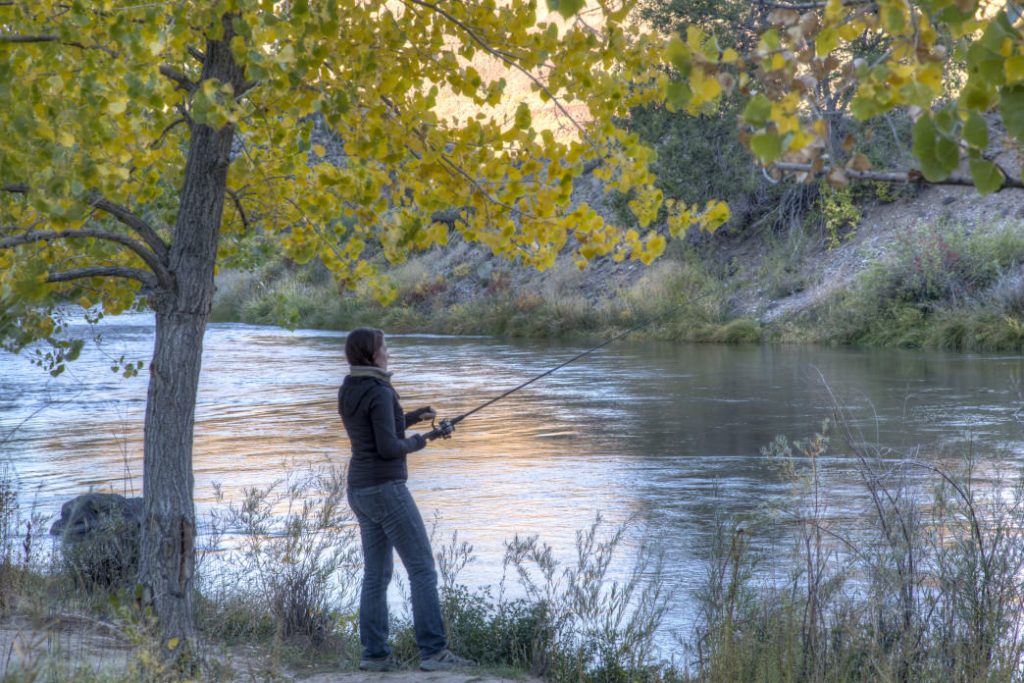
(294, 563)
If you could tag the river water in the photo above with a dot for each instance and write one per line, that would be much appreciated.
(666, 436)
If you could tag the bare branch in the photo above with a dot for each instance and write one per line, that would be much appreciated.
(449, 216)
(237, 200)
(163, 277)
(163, 134)
(246, 87)
(18, 38)
(15, 38)
(183, 81)
(804, 6)
(197, 54)
(141, 227)
(121, 213)
(911, 176)
(103, 271)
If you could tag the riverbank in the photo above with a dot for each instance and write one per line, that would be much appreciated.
(917, 581)
(941, 269)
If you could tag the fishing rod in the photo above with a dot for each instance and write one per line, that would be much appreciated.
(445, 429)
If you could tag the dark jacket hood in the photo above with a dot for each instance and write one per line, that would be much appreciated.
(354, 390)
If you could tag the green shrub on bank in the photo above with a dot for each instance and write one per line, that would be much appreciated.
(941, 287)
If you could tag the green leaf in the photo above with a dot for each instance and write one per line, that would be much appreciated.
(767, 147)
(938, 155)
(976, 96)
(948, 153)
(678, 54)
(1011, 106)
(976, 130)
(757, 111)
(987, 176)
(678, 95)
(567, 8)
(945, 121)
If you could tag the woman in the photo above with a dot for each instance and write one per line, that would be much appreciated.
(388, 517)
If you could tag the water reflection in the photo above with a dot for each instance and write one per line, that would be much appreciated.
(668, 435)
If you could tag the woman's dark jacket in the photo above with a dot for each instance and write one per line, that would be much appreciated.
(376, 425)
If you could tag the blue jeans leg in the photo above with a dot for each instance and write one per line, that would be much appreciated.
(390, 508)
(378, 564)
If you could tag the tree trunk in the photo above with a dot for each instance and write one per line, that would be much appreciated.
(167, 559)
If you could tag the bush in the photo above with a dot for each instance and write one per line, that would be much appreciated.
(939, 287)
(922, 583)
(293, 566)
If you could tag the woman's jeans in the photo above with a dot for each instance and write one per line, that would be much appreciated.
(389, 520)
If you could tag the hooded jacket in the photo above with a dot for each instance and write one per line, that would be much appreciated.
(376, 425)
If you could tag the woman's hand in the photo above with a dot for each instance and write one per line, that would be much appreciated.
(420, 414)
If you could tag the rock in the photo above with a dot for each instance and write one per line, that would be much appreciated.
(100, 539)
(93, 511)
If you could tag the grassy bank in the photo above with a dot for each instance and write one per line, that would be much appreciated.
(913, 575)
(678, 298)
(937, 285)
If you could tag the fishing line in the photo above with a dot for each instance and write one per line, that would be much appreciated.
(446, 428)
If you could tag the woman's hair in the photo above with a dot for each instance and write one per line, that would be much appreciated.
(362, 344)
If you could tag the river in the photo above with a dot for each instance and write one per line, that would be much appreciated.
(667, 436)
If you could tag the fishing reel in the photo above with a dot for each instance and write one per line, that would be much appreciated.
(440, 431)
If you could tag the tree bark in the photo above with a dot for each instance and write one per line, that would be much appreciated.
(167, 559)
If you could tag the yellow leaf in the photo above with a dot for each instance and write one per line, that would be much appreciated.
(729, 56)
(1014, 68)
(704, 89)
(931, 76)
(778, 62)
(834, 11)
(65, 138)
(117, 106)
(319, 150)
(800, 140)
(694, 37)
(715, 215)
(1006, 47)
(172, 644)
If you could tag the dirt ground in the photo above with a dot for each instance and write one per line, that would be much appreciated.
(64, 644)
(410, 677)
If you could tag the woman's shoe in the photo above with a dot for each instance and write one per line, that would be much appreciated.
(378, 664)
(444, 660)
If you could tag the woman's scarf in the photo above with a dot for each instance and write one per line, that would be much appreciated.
(370, 371)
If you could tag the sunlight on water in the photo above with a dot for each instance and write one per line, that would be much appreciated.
(668, 436)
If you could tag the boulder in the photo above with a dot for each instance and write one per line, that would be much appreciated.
(100, 539)
(91, 512)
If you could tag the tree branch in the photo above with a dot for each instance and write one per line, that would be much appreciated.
(183, 81)
(911, 176)
(163, 277)
(197, 54)
(804, 6)
(103, 271)
(121, 213)
(15, 38)
(18, 38)
(126, 217)
(237, 200)
(163, 134)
